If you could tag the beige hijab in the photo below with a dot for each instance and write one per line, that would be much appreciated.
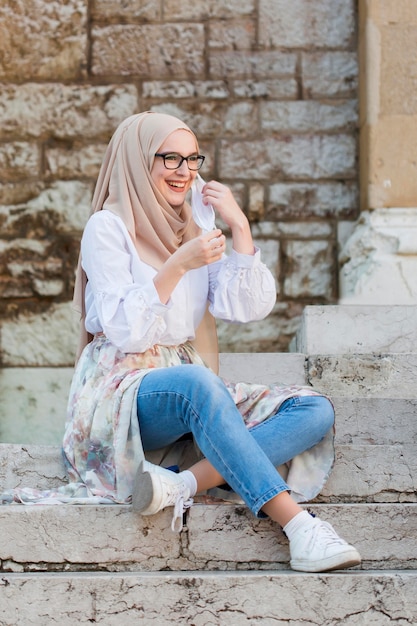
(125, 187)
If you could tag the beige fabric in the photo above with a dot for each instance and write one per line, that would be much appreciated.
(125, 187)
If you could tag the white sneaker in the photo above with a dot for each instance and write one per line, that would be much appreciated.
(158, 488)
(319, 548)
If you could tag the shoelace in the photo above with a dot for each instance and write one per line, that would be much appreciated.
(180, 507)
(324, 533)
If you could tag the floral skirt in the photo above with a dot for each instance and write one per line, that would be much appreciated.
(102, 447)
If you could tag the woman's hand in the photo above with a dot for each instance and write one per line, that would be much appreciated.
(197, 252)
(222, 200)
(201, 250)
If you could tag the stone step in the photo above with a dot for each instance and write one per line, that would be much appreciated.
(375, 420)
(357, 329)
(217, 536)
(209, 598)
(364, 375)
(362, 472)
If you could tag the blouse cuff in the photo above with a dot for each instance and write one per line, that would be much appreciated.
(151, 297)
(247, 261)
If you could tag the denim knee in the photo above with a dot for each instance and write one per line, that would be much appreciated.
(322, 411)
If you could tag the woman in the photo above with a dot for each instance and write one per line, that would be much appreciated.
(147, 275)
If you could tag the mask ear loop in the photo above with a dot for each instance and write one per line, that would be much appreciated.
(203, 214)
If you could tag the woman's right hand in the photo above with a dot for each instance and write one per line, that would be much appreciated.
(197, 252)
(200, 251)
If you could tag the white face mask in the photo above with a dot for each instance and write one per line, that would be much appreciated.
(203, 214)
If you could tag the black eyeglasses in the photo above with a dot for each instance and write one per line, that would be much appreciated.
(173, 160)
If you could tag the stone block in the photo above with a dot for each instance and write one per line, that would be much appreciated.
(237, 34)
(324, 24)
(20, 191)
(215, 598)
(43, 40)
(238, 119)
(40, 340)
(185, 89)
(19, 160)
(265, 64)
(100, 537)
(39, 466)
(365, 375)
(329, 74)
(216, 9)
(357, 329)
(69, 163)
(62, 207)
(218, 536)
(372, 474)
(34, 404)
(134, 9)
(269, 335)
(279, 88)
(300, 200)
(308, 116)
(309, 269)
(263, 368)
(381, 251)
(166, 50)
(375, 421)
(226, 535)
(295, 157)
(292, 230)
(36, 110)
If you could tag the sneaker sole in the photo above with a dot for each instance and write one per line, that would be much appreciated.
(142, 494)
(341, 561)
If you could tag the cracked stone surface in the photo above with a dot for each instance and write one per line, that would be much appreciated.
(356, 329)
(221, 536)
(209, 599)
(365, 375)
(369, 472)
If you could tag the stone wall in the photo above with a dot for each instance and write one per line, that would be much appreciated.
(269, 86)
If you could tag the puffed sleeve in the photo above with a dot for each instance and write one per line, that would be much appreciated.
(129, 313)
(242, 288)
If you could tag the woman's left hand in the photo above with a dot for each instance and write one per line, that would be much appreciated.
(223, 202)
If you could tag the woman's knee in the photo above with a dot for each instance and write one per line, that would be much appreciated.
(323, 411)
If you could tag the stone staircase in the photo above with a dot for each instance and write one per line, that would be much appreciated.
(105, 565)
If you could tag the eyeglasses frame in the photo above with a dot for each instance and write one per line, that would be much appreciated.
(183, 158)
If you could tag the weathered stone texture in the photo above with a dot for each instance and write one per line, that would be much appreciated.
(64, 111)
(19, 160)
(301, 23)
(296, 157)
(295, 200)
(249, 65)
(214, 9)
(333, 74)
(48, 338)
(308, 116)
(77, 161)
(143, 9)
(43, 40)
(162, 50)
(209, 598)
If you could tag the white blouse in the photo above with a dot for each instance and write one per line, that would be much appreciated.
(122, 301)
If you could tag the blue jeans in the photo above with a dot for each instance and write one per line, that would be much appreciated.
(183, 399)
